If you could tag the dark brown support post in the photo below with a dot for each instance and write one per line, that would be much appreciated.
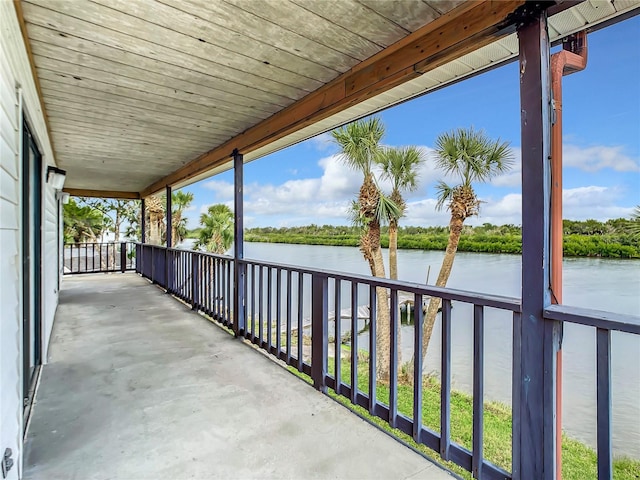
(195, 280)
(239, 326)
(534, 388)
(169, 218)
(143, 221)
(123, 256)
(168, 263)
(319, 330)
(143, 235)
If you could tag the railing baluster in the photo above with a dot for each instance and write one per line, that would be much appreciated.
(337, 356)
(478, 390)
(417, 367)
(86, 258)
(218, 290)
(195, 274)
(393, 357)
(445, 381)
(269, 304)
(372, 349)
(278, 310)
(246, 292)
(605, 459)
(354, 342)
(261, 306)
(229, 295)
(93, 257)
(288, 333)
(300, 319)
(319, 334)
(253, 302)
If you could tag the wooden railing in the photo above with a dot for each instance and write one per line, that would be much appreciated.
(299, 314)
(99, 257)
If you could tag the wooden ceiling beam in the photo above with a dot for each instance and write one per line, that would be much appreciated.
(458, 32)
(80, 192)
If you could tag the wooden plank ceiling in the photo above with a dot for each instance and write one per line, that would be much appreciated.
(135, 90)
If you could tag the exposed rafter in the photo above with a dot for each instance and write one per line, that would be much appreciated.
(79, 192)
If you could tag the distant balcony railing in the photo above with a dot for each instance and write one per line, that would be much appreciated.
(304, 316)
(103, 257)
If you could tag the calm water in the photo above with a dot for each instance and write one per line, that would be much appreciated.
(612, 285)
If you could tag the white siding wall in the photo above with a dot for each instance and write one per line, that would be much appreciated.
(15, 72)
(49, 264)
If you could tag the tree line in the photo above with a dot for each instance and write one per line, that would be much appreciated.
(90, 219)
(590, 238)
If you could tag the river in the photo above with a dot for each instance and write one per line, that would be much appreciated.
(602, 284)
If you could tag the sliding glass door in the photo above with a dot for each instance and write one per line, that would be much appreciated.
(31, 262)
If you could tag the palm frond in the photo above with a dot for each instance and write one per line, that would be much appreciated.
(400, 165)
(355, 215)
(471, 155)
(359, 143)
(387, 209)
(444, 194)
(634, 223)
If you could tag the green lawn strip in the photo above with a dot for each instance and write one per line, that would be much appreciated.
(579, 461)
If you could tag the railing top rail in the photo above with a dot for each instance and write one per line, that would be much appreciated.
(496, 301)
(486, 300)
(98, 243)
(594, 318)
(206, 254)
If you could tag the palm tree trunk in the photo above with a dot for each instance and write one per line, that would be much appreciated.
(455, 230)
(382, 319)
(393, 250)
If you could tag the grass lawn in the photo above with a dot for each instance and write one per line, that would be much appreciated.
(579, 461)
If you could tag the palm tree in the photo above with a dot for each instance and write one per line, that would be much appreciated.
(634, 225)
(469, 156)
(359, 144)
(216, 234)
(400, 165)
(155, 207)
(180, 201)
(82, 222)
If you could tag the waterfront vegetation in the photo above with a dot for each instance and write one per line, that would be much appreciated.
(579, 462)
(590, 238)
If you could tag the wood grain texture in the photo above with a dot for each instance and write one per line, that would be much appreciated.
(58, 59)
(68, 24)
(76, 192)
(230, 35)
(141, 29)
(293, 41)
(314, 27)
(457, 32)
(151, 98)
(73, 43)
(410, 15)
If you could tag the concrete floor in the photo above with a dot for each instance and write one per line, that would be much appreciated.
(139, 387)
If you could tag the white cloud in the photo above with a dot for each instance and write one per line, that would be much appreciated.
(327, 198)
(513, 177)
(592, 159)
(593, 202)
(322, 142)
(224, 190)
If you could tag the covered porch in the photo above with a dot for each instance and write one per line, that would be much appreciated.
(139, 386)
(147, 97)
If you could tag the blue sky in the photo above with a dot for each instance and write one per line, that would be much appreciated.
(307, 184)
